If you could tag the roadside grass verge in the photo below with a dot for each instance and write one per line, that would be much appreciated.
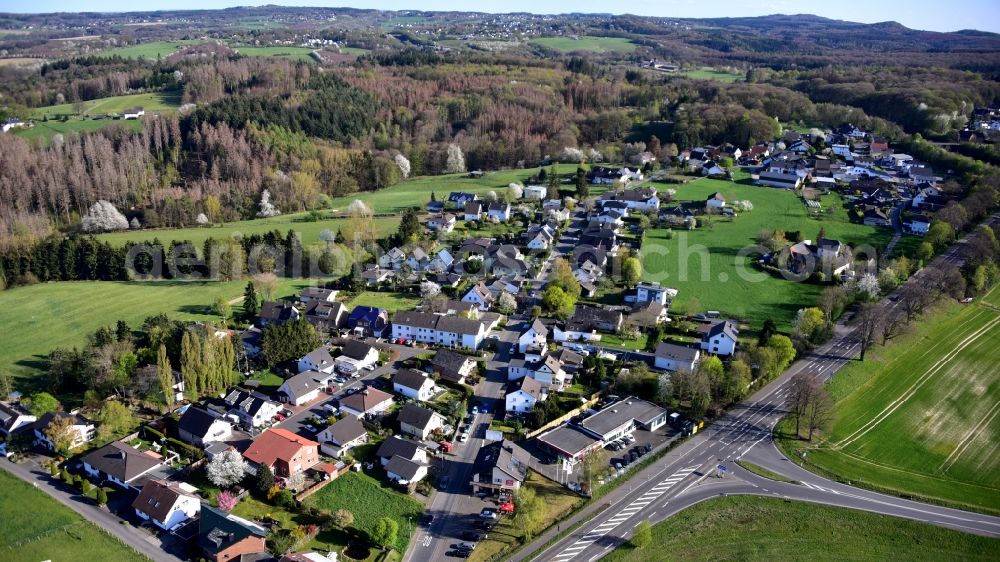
(750, 528)
(764, 473)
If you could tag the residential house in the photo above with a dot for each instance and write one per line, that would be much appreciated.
(82, 430)
(12, 123)
(453, 366)
(146, 382)
(120, 464)
(622, 418)
(648, 314)
(282, 451)
(534, 337)
(276, 312)
(873, 216)
(779, 178)
(711, 168)
(654, 292)
(413, 384)
(721, 338)
(449, 331)
(342, 436)
(368, 321)
(133, 113)
(715, 201)
(460, 198)
(537, 192)
(480, 296)
(499, 210)
(600, 236)
(419, 422)
(369, 403)
(326, 316)
(375, 276)
(673, 357)
(393, 259)
(442, 261)
(418, 259)
(444, 222)
(317, 294)
(318, 359)
(523, 393)
(500, 468)
(354, 356)
(224, 537)
(167, 505)
(549, 372)
(640, 198)
(589, 318)
(199, 427)
(304, 388)
(435, 206)
(918, 224)
(569, 443)
(395, 446)
(405, 472)
(252, 409)
(539, 237)
(473, 211)
(13, 417)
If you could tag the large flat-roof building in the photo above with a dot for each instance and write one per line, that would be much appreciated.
(624, 417)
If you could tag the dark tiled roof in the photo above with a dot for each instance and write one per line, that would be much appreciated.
(196, 421)
(410, 378)
(121, 461)
(676, 352)
(403, 467)
(414, 415)
(394, 446)
(218, 530)
(157, 498)
(346, 430)
(356, 349)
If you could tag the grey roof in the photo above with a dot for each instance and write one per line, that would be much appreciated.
(320, 357)
(316, 293)
(538, 326)
(528, 385)
(394, 446)
(568, 439)
(346, 430)
(449, 361)
(364, 400)
(304, 383)
(403, 467)
(513, 460)
(245, 401)
(9, 414)
(196, 421)
(121, 461)
(620, 413)
(725, 327)
(278, 311)
(410, 378)
(416, 319)
(676, 352)
(459, 325)
(218, 530)
(414, 415)
(586, 318)
(356, 349)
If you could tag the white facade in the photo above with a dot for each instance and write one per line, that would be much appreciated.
(535, 191)
(183, 509)
(422, 394)
(520, 401)
(719, 344)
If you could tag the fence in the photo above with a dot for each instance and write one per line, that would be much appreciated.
(568, 415)
(336, 473)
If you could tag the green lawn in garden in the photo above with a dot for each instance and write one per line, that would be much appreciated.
(920, 416)
(585, 43)
(703, 264)
(748, 528)
(36, 527)
(389, 301)
(370, 500)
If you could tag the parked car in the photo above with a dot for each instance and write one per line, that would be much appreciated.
(480, 524)
(488, 513)
(339, 379)
(463, 437)
(427, 520)
(459, 553)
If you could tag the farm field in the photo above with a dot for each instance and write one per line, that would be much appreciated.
(760, 528)
(36, 527)
(150, 50)
(151, 102)
(716, 283)
(389, 301)
(710, 74)
(62, 314)
(922, 416)
(296, 53)
(369, 500)
(46, 129)
(592, 44)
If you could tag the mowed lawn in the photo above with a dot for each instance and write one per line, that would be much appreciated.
(369, 500)
(36, 527)
(153, 101)
(711, 74)
(150, 50)
(46, 129)
(389, 301)
(749, 528)
(922, 416)
(39, 318)
(704, 264)
(585, 43)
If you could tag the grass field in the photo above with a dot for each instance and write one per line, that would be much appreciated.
(151, 102)
(591, 44)
(45, 129)
(766, 529)
(389, 301)
(36, 527)
(369, 500)
(149, 50)
(296, 53)
(711, 74)
(716, 282)
(922, 416)
(61, 314)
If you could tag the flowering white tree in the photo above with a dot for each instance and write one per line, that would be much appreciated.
(743, 205)
(506, 303)
(404, 165)
(456, 160)
(515, 191)
(868, 286)
(201, 219)
(267, 209)
(134, 223)
(429, 289)
(571, 154)
(327, 235)
(491, 195)
(670, 193)
(226, 469)
(358, 207)
(594, 156)
(104, 216)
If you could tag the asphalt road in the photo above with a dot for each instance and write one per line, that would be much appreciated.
(679, 478)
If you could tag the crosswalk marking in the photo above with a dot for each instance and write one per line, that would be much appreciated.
(623, 515)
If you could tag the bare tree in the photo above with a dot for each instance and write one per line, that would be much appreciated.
(819, 413)
(870, 322)
(803, 387)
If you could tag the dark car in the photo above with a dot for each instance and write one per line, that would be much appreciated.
(427, 520)
(632, 456)
(473, 536)
(647, 447)
(484, 525)
(459, 553)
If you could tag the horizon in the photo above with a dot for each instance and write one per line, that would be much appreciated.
(921, 15)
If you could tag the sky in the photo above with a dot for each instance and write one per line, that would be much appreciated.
(916, 14)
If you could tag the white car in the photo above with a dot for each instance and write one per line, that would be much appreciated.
(463, 437)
